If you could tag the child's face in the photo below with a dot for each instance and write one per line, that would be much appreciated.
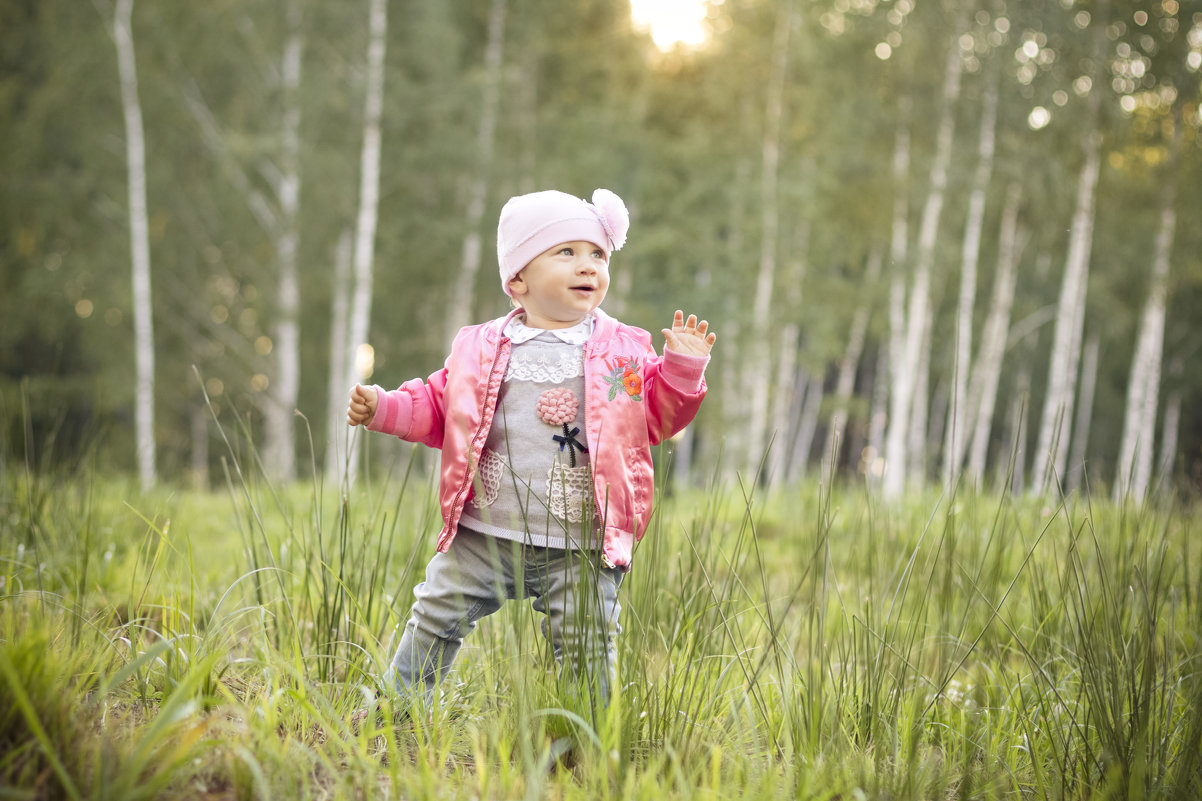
(562, 285)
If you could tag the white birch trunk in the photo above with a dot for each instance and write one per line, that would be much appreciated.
(782, 401)
(987, 369)
(757, 367)
(734, 397)
(795, 464)
(891, 382)
(139, 241)
(1169, 432)
(461, 302)
(873, 462)
(1018, 428)
(337, 391)
(279, 435)
(1133, 475)
(785, 382)
(918, 310)
(1051, 450)
(955, 440)
(369, 204)
(807, 425)
(1080, 441)
(845, 383)
(916, 432)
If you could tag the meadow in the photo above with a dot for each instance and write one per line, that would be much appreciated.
(810, 643)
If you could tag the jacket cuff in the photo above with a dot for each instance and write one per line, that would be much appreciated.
(391, 407)
(683, 372)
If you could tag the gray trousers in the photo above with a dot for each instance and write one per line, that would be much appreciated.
(476, 576)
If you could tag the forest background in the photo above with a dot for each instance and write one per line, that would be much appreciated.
(945, 236)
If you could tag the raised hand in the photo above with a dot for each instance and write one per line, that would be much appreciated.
(362, 407)
(689, 337)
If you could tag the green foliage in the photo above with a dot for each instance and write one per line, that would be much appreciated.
(584, 101)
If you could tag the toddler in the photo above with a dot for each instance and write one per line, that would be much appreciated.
(545, 419)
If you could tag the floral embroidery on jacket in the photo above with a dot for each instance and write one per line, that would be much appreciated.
(624, 375)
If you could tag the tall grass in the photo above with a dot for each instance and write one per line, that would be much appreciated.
(811, 643)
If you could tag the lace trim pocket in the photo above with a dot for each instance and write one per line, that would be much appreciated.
(492, 468)
(568, 491)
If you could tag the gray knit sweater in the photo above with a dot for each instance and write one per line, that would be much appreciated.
(533, 484)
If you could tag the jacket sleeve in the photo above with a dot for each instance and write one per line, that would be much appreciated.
(414, 411)
(674, 388)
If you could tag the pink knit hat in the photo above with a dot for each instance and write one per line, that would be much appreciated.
(531, 224)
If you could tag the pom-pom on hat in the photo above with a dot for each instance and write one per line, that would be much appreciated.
(531, 224)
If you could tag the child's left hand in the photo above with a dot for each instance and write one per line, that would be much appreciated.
(690, 337)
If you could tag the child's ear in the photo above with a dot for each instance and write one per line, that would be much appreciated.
(517, 286)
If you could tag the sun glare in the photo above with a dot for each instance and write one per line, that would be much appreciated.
(671, 22)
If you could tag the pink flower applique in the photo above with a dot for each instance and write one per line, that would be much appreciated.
(557, 407)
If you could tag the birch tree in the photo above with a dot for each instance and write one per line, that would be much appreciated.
(846, 380)
(139, 241)
(918, 309)
(1134, 470)
(1087, 384)
(1051, 452)
(359, 319)
(275, 211)
(787, 376)
(987, 367)
(757, 368)
(459, 309)
(889, 382)
(955, 440)
(283, 393)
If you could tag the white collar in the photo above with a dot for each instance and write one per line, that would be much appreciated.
(518, 332)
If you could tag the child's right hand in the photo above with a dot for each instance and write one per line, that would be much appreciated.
(362, 407)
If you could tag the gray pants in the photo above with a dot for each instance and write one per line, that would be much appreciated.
(476, 576)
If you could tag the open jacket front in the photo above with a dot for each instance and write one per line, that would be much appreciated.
(630, 405)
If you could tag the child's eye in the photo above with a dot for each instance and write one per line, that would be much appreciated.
(599, 254)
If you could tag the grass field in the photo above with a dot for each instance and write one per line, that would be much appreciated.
(807, 644)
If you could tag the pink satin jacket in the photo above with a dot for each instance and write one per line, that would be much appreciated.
(631, 403)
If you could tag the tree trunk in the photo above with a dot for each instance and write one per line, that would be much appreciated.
(807, 424)
(873, 463)
(785, 382)
(916, 433)
(1169, 432)
(785, 385)
(757, 368)
(890, 382)
(1051, 451)
(460, 307)
(369, 203)
(795, 463)
(918, 312)
(139, 241)
(955, 440)
(846, 380)
(337, 391)
(1018, 428)
(279, 436)
(987, 369)
(1080, 441)
(1133, 473)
